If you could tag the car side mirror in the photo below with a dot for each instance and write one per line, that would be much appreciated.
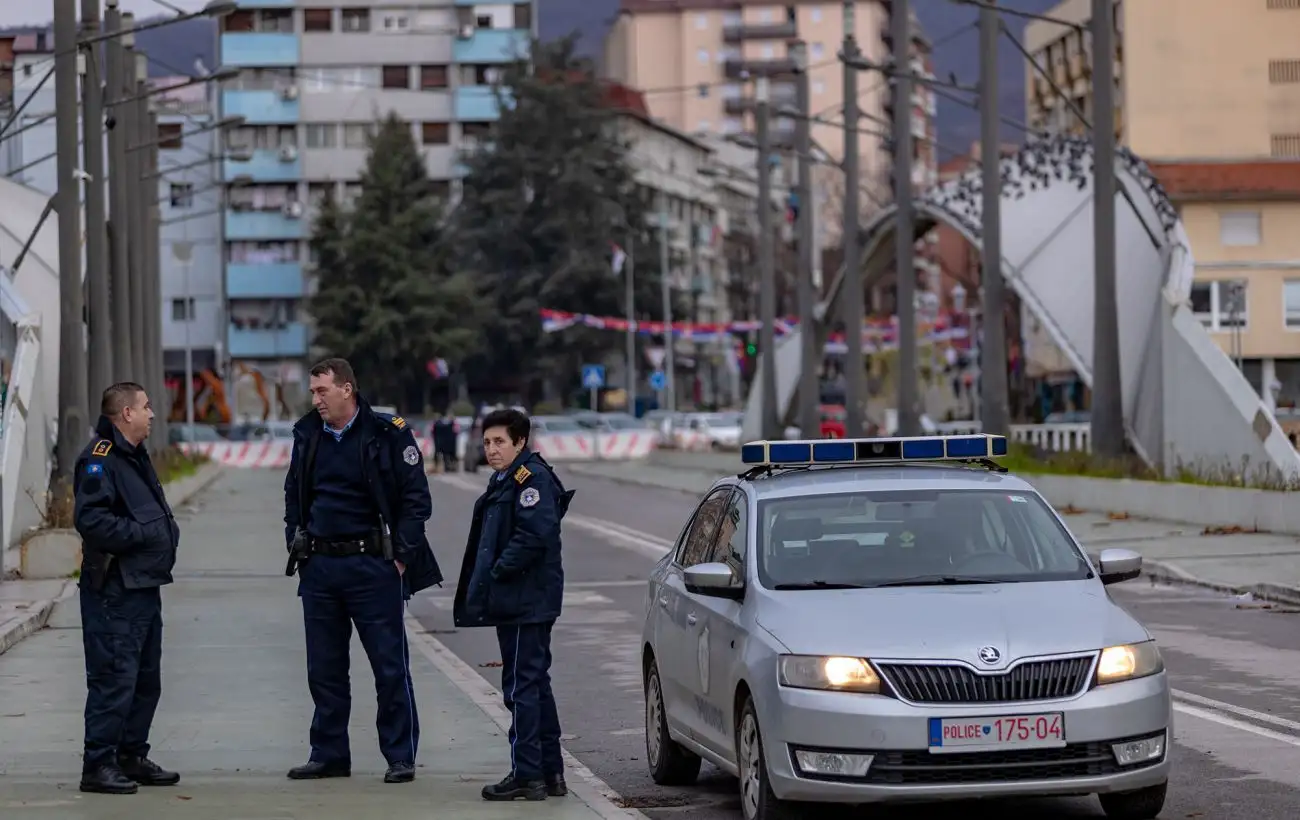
(1116, 565)
(715, 579)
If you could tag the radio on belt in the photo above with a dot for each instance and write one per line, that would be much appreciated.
(846, 451)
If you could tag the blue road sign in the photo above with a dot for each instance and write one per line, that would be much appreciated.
(593, 376)
(657, 380)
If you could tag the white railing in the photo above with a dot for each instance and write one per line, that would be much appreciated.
(1060, 438)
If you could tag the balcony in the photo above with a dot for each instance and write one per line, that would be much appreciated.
(491, 45)
(266, 343)
(263, 226)
(744, 68)
(259, 107)
(782, 95)
(264, 281)
(476, 103)
(258, 49)
(740, 32)
(267, 165)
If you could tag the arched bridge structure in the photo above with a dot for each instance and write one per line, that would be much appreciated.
(1184, 401)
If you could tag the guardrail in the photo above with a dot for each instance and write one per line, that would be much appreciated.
(1074, 437)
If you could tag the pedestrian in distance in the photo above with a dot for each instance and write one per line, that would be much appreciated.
(356, 500)
(128, 548)
(512, 578)
(444, 441)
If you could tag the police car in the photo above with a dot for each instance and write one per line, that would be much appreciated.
(875, 620)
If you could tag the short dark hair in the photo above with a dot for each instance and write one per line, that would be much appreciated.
(339, 369)
(118, 397)
(517, 425)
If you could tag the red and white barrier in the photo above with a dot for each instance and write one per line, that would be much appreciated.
(243, 453)
(624, 445)
(565, 446)
(691, 440)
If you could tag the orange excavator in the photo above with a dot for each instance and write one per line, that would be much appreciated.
(211, 396)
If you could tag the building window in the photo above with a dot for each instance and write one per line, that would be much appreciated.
(480, 75)
(170, 136)
(322, 135)
(355, 21)
(181, 195)
(318, 192)
(394, 22)
(818, 87)
(261, 253)
(476, 130)
(433, 77)
(1239, 229)
(1283, 72)
(523, 16)
(318, 20)
(1291, 303)
(435, 133)
(703, 56)
(701, 21)
(239, 21)
(183, 310)
(275, 21)
(818, 50)
(1220, 305)
(356, 135)
(768, 52)
(816, 14)
(703, 126)
(1284, 146)
(397, 76)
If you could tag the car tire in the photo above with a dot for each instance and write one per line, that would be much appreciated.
(1143, 804)
(757, 800)
(670, 763)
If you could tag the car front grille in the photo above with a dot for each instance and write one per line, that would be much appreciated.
(1033, 680)
(921, 767)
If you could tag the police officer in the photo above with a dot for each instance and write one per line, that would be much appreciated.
(512, 578)
(444, 441)
(129, 539)
(356, 501)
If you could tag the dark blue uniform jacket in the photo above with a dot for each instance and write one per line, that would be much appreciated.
(121, 512)
(512, 571)
(394, 470)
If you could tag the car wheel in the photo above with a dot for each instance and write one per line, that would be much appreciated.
(670, 763)
(757, 801)
(1143, 804)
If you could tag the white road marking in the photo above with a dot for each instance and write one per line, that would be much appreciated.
(1239, 711)
(639, 730)
(1233, 723)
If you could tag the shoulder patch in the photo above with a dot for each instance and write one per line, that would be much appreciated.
(522, 474)
(94, 468)
(102, 447)
(398, 422)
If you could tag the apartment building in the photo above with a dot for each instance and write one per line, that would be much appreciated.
(315, 77)
(1210, 98)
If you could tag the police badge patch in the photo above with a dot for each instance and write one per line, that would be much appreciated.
(411, 455)
(529, 497)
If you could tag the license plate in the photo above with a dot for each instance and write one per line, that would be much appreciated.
(1043, 731)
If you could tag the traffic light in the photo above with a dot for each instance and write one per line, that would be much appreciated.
(751, 350)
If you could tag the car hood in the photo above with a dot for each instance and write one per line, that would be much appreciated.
(949, 623)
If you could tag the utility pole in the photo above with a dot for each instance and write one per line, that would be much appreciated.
(905, 236)
(73, 425)
(771, 421)
(852, 294)
(131, 115)
(665, 287)
(994, 411)
(630, 297)
(119, 204)
(153, 250)
(100, 346)
(1107, 400)
(809, 361)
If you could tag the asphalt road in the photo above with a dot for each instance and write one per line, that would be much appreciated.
(1234, 664)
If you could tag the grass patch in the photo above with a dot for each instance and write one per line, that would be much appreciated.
(1023, 458)
(174, 464)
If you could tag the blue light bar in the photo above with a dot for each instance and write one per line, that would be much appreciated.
(871, 450)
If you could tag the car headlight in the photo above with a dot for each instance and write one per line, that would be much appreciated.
(1135, 660)
(831, 673)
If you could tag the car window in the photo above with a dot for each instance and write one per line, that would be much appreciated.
(698, 544)
(894, 535)
(730, 546)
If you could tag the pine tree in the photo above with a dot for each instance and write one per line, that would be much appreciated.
(385, 298)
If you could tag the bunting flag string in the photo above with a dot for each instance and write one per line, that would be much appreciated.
(877, 334)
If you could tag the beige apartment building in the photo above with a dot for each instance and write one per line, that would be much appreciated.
(1209, 96)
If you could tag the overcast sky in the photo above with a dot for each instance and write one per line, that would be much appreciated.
(23, 12)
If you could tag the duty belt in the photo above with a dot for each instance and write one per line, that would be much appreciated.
(338, 549)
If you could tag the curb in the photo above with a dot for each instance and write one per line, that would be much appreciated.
(33, 620)
(583, 782)
(197, 483)
(631, 481)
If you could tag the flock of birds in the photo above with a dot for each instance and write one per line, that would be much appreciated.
(1040, 163)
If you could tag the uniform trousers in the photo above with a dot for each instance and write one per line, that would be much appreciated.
(121, 634)
(526, 688)
(337, 593)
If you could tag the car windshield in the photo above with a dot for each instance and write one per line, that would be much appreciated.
(557, 425)
(622, 423)
(914, 538)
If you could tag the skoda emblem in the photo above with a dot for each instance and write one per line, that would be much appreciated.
(989, 654)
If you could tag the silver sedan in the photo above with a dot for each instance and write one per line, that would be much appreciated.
(899, 632)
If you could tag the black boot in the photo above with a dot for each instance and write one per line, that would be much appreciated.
(316, 770)
(145, 772)
(511, 788)
(400, 773)
(555, 785)
(107, 779)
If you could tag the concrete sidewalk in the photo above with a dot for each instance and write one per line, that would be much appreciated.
(1265, 565)
(235, 710)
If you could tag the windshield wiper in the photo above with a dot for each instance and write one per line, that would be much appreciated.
(821, 585)
(938, 581)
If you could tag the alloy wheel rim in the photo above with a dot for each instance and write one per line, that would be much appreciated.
(653, 711)
(750, 767)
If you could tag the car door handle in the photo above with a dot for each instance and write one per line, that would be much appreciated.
(663, 601)
(690, 619)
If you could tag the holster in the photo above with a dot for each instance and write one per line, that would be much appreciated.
(385, 542)
(299, 551)
(95, 567)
